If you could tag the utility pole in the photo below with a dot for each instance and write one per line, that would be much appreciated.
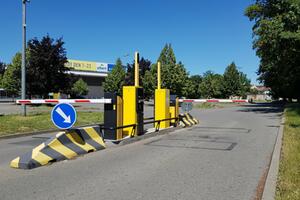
(23, 78)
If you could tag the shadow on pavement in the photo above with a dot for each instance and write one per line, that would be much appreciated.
(263, 108)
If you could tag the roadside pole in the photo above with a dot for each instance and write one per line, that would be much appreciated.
(23, 78)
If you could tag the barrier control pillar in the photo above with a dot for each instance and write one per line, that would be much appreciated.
(113, 117)
(161, 102)
(174, 109)
(133, 105)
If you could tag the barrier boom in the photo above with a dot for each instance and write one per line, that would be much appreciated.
(215, 100)
(45, 101)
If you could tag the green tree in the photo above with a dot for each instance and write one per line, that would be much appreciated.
(115, 79)
(193, 87)
(149, 83)
(79, 89)
(2, 70)
(244, 85)
(211, 85)
(144, 66)
(11, 80)
(174, 75)
(231, 81)
(167, 56)
(276, 33)
(189, 89)
(46, 71)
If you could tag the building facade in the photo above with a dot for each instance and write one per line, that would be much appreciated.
(93, 73)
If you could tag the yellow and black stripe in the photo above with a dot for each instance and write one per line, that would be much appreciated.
(64, 145)
(191, 118)
(188, 120)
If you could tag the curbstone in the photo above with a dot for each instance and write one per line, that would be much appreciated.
(270, 184)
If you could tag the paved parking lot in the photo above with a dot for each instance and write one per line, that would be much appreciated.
(224, 157)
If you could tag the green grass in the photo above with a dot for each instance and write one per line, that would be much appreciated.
(14, 124)
(288, 183)
(213, 105)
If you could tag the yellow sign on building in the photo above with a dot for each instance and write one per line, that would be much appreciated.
(82, 65)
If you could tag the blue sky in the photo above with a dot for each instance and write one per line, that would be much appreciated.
(205, 34)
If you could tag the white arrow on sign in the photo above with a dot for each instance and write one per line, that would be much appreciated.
(63, 115)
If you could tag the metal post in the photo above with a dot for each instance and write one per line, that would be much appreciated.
(136, 70)
(23, 78)
(158, 76)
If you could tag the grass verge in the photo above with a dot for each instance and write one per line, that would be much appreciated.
(206, 105)
(288, 183)
(14, 124)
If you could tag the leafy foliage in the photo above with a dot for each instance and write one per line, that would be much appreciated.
(244, 85)
(277, 42)
(235, 83)
(115, 79)
(231, 81)
(192, 88)
(11, 80)
(167, 56)
(173, 75)
(2, 70)
(46, 71)
(149, 83)
(211, 85)
(144, 66)
(79, 89)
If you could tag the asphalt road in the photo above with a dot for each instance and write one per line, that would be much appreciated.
(222, 158)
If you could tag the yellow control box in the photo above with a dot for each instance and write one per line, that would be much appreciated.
(129, 109)
(133, 110)
(174, 110)
(161, 110)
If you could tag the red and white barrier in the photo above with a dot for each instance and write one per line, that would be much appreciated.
(215, 100)
(45, 101)
(106, 101)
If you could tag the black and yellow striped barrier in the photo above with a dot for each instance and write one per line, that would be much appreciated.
(64, 145)
(187, 119)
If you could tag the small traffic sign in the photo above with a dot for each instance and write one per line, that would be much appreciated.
(186, 106)
(63, 116)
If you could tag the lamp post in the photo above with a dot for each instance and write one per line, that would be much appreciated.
(23, 78)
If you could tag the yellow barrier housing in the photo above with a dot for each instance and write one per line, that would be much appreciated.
(161, 102)
(161, 112)
(174, 109)
(129, 110)
(133, 104)
(133, 110)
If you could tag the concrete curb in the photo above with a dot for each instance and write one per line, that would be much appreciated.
(270, 184)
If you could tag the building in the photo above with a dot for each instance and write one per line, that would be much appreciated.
(93, 73)
(260, 93)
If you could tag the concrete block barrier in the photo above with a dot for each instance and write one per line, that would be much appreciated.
(64, 145)
(187, 119)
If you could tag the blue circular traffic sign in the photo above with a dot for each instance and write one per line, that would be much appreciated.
(63, 116)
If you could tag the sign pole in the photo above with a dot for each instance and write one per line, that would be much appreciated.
(23, 81)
